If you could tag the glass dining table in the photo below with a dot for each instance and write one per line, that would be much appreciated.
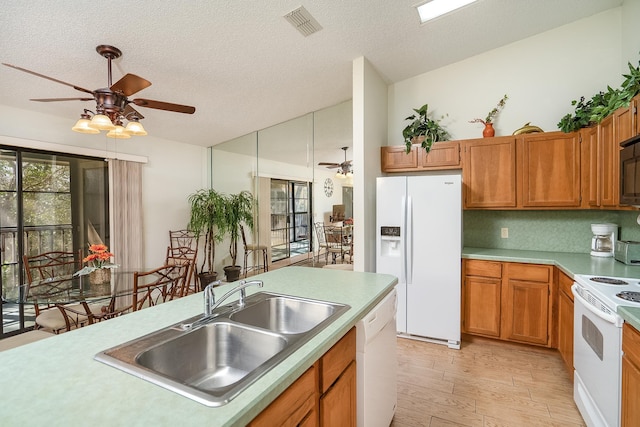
(80, 295)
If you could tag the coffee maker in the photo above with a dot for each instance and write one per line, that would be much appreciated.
(604, 239)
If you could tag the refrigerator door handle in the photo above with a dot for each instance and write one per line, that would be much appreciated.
(409, 239)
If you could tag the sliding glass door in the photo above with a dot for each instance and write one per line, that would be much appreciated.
(290, 210)
(48, 202)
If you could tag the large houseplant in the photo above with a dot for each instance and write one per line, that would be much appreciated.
(207, 218)
(423, 130)
(238, 209)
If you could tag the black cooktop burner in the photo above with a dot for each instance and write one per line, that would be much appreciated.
(608, 281)
(629, 296)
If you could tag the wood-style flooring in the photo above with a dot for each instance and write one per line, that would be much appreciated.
(485, 383)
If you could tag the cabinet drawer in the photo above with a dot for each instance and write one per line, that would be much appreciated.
(565, 283)
(529, 272)
(474, 267)
(631, 343)
(336, 360)
(295, 404)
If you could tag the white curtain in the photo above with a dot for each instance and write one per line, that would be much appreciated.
(125, 195)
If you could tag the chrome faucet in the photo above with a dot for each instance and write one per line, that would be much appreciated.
(210, 303)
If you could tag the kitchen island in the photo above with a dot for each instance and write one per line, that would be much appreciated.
(56, 381)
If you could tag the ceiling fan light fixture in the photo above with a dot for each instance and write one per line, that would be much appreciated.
(82, 125)
(101, 122)
(118, 132)
(134, 127)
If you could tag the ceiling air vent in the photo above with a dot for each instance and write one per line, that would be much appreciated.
(302, 20)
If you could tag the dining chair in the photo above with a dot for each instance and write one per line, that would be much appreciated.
(252, 249)
(188, 256)
(322, 241)
(182, 239)
(157, 286)
(338, 240)
(49, 279)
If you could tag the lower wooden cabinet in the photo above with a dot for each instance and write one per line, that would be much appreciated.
(565, 320)
(509, 301)
(325, 395)
(630, 376)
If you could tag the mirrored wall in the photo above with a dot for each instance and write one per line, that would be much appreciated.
(280, 167)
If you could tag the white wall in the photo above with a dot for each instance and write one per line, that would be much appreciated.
(630, 33)
(369, 134)
(541, 75)
(173, 171)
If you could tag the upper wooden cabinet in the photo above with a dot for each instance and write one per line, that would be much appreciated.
(549, 164)
(489, 172)
(443, 155)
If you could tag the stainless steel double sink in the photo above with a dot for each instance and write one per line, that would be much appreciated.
(212, 359)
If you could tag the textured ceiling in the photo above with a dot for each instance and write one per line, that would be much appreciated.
(240, 63)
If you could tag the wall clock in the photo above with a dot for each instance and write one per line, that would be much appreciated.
(328, 187)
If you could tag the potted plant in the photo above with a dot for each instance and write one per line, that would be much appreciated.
(423, 130)
(489, 131)
(591, 112)
(238, 209)
(207, 217)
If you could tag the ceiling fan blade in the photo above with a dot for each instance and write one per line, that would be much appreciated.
(130, 84)
(81, 89)
(328, 164)
(60, 99)
(167, 106)
(129, 109)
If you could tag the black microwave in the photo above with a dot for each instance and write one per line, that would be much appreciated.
(630, 171)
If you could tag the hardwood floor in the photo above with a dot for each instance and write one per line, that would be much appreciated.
(486, 383)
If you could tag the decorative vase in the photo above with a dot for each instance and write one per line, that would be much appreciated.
(100, 276)
(488, 131)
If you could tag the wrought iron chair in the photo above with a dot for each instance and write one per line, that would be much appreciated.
(322, 241)
(157, 286)
(49, 281)
(188, 256)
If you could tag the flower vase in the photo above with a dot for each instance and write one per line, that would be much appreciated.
(488, 131)
(100, 276)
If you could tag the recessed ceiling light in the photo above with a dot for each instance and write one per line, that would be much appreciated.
(435, 8)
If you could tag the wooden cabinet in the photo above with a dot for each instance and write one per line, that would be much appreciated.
(325, 395)
(295, 406)
(590, 163)
(549, 165)
(489, 173)
(565, 320)
(338, 383)
(630, 376)
(481, 296)
(510, 301)
(443, 155)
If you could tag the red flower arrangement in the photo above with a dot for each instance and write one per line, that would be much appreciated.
(98, 258)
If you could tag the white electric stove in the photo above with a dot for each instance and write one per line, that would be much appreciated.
(597, 342)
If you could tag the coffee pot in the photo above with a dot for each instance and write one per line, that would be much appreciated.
(604, 239)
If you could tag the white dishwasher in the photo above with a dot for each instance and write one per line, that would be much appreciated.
(377, 364)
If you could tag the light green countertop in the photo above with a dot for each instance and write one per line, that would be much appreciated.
(55, 381)
(570, 264)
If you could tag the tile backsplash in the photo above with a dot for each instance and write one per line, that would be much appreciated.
(557, 231)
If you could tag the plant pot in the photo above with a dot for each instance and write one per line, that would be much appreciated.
(232, 272)
(418, 139)
(100, 276)
(488, 131)
(206, 278)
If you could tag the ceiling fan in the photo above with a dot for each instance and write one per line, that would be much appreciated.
(345, 168)
(112, 101)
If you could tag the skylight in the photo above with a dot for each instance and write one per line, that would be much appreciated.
(435, 8)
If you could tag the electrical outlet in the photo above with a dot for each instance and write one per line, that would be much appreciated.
(504, 233)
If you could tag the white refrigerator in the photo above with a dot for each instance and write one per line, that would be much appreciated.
(419, 240)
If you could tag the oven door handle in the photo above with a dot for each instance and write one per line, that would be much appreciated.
(611, 318)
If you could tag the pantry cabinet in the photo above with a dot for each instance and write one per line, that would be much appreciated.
(630, 376)
(565, 320)
(509, 301)
(325, 395)
(443, 155)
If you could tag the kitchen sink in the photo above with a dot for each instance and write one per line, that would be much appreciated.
(286, 315)
(212, 359)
